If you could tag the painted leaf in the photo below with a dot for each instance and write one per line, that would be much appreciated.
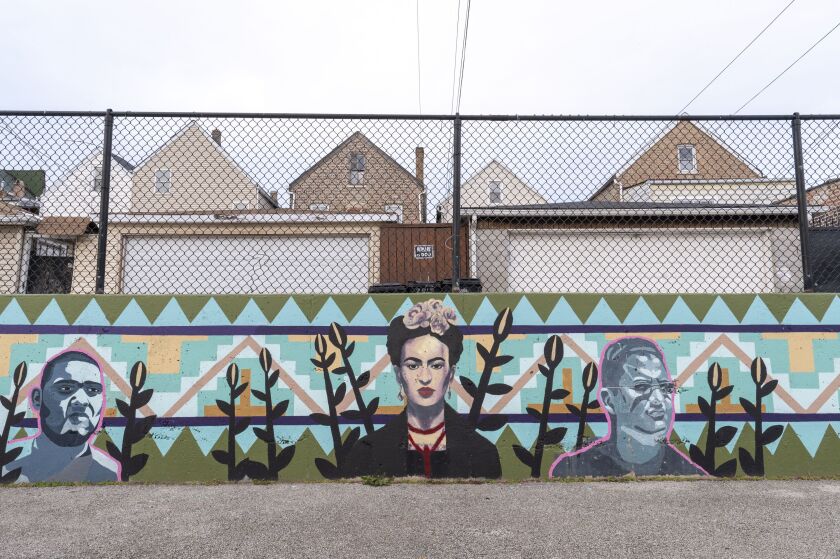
(284, 458)
(768, 388)
(468, 385)
(697, 456)
(17, 418)
(265, 359)
(241, 425)
(263, 435)
(280, 409)
(6, 402)
(553, 350)
(498, 389)
(272, 380)
(221, 456)
(724, 435)
(241, 470)
(329, 360)
(503, 324)
(351, 439)
(336, 335)
(492, 422)
(501, 360)
(135, 464)
(259, 395)
(723, 392)
(340, 370)
(225, 407)
(705, 408)
(573, 409)
(748, 406)
(237, 392)
(142, 398)
(747, 462)
(10, 476)
(533, 412)
(123, 407)
(142, 426)
(20, 374)
(352, 415)
(351, 347)
(363, 379)
(327, 469)
(554, 436)
(10, 455)
(727, 469)
(546, 372)
(320, 418)
(758, 370)
(483, 352)
(340, 392)
(372, 406)
(113, 451)
(317, 362)
(771, 434)
(257, 470)
(524, 456)
(559, 393)
(593, 405)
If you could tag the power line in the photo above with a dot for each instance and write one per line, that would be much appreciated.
(737, 56)
(419, 97)
(463, 57)
(792, 64)
(455, 57)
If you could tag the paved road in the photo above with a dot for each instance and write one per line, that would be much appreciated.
(787, 519)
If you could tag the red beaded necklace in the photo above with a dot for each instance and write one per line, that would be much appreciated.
(426, 450)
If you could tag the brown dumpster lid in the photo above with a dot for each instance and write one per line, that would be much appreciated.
(63, 226)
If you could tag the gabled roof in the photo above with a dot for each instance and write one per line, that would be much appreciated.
(660, 137)
(33, 179)
(11, 214)
(354, 136)
(829, 182)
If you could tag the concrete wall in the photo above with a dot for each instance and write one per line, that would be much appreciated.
(157, 382)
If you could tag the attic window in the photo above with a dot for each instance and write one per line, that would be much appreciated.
(357, 168)
(319, 207)
(97, 179)
(687, 156)
(163, 181)
(495, 192)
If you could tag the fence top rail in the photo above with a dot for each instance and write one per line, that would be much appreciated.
(399, 116)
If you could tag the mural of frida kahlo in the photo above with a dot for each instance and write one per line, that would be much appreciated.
(429, 438)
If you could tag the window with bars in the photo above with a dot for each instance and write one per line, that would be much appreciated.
(495, 192)
(357, 168)
(163, 181)
(687, 156)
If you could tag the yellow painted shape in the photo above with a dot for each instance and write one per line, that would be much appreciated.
(163, 353)
(800, 347)
(6, 343)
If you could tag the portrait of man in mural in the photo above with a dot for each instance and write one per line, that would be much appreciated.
(69, 401)
(429, 438)
(637, 393)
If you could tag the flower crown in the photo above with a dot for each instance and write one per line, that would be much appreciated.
(430, 314)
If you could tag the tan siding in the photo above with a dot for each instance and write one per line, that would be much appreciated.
(11, 249)
(84, 264)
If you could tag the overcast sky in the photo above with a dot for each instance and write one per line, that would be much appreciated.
(642, 57)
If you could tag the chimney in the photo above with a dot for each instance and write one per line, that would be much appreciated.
(419, 159)
(216, 135)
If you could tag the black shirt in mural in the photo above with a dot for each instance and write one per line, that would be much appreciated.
(603, 460)
(386, 452)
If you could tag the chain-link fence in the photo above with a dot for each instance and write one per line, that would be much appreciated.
(234, 203)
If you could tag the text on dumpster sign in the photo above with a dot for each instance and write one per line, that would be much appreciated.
(424, 252)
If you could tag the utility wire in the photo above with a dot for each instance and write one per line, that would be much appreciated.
(455, 58)
(463, 57)
(737, 56)
(792, 64)
(419, 97)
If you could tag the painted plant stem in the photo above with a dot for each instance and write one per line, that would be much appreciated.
(274, 461)
(12, 419)
(715, 437)
(236, 471)
(753, 465)
(492, 359)
(553, 353)
(135, 428)
(589, 378)
(338, 338)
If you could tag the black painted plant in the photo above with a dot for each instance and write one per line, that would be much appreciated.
(324, 361)
(275, 461)
(553, 352)
(492, 359)
(753, 464)
(135, 428)
(12, 419)
(338, 338)
(236, 470)
(590, 381)
(715, 438)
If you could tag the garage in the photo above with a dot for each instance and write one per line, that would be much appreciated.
(641, 260)
(245, 264)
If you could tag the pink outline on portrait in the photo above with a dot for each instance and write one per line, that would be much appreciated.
(609, 422)
(96, 430)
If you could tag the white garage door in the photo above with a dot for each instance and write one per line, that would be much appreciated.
(620, 261)
(245, 264)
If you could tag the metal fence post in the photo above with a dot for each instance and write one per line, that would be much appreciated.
(456, 205)
(104, 202)
(802, 202)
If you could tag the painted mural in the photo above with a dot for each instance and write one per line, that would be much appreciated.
(198, 388)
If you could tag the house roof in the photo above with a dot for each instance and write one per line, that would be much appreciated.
(829, 182)
(354, 136)
(65, 226)
(277, 215)
(123, 163)
(33, 179)
(592, 208)
(11, 214)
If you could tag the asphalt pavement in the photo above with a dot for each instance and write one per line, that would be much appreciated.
(675, 519)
